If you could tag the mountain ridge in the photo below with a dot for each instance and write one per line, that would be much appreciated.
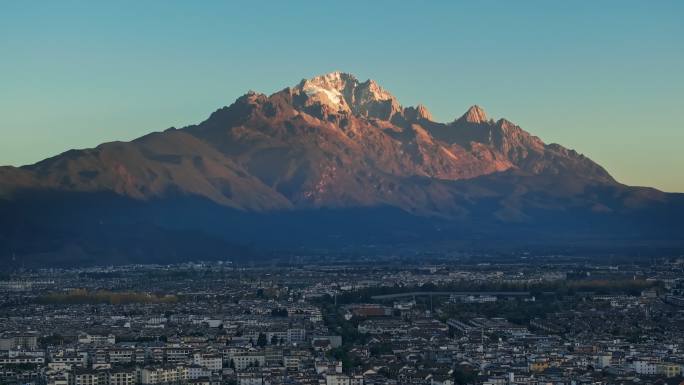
(333, 142)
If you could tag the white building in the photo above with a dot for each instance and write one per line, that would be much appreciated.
(196, 371)
(296, 335)
(122, 377)
(18, 341)
(250, 379)
(342, 379)
(16, 360)
(160, 375)
(645, 367)
(245, 360)
(291, 363)
(90, 377)
(96, 340)
(603, 360)
(121, 356)
(209, 361)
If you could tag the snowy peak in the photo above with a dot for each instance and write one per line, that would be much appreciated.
(339, 92)
(328, 90)
(333, 80)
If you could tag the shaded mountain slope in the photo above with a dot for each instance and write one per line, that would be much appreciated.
(280, 168)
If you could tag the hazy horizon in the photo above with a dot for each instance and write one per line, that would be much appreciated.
(604, 79)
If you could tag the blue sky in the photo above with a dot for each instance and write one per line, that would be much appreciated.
(605, 78)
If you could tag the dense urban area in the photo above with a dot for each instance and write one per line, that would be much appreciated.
(524, 320)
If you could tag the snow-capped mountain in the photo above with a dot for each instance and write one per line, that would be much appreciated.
(271, 168)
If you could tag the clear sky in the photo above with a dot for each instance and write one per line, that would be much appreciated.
(603, 77)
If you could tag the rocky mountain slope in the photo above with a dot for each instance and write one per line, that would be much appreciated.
(330, 144)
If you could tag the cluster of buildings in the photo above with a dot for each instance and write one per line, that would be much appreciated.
(216, 324)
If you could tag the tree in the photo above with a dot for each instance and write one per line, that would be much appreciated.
(279, 312)
(464, 375)
(262, 341)
(380, 349)
(274, 340)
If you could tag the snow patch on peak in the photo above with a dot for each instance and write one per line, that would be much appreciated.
(334, 96)
(328, 89)
(332, 81)
(343, 92)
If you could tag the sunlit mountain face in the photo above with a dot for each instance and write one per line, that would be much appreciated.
(329, 161)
